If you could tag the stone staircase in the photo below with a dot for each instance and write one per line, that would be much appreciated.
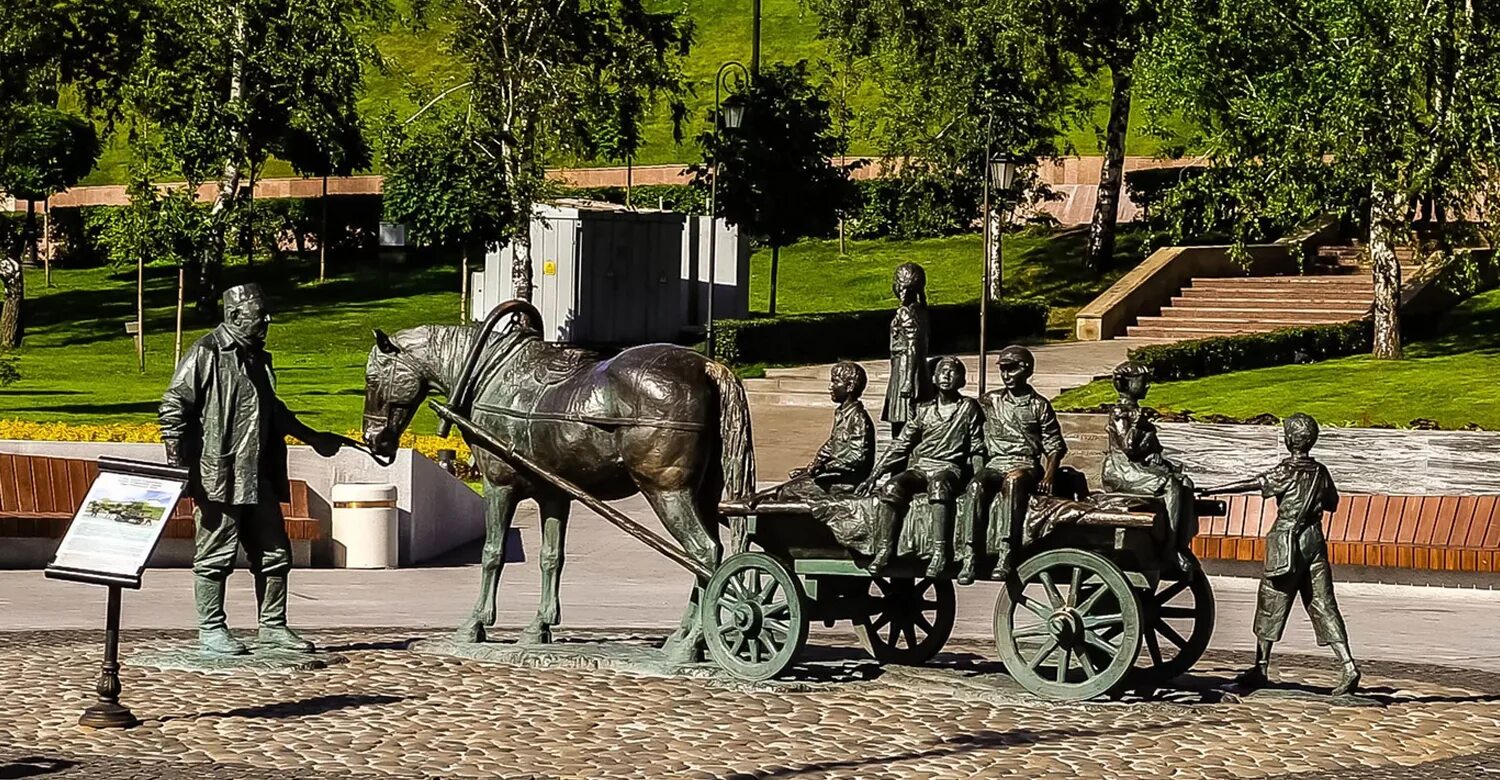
(1338, 290)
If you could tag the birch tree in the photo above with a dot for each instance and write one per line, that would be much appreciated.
(544, 80)
(1353, 107)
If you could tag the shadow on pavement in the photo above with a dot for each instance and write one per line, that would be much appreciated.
(963, 743)
(33, 766)
(316, 705)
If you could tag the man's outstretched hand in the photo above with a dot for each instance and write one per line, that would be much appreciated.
(327, 444)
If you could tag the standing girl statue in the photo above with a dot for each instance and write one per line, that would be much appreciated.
(909, 383)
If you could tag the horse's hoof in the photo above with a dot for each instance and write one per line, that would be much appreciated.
(536, 635)
(472, 633)
(683, 652)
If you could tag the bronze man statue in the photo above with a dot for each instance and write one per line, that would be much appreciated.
(908, 386)
(939, 447)
(1297, 554)
(845, 460)
(1135, 463)
(1024, 445)
(221, 418)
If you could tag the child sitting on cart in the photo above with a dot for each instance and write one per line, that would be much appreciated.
(845, 460)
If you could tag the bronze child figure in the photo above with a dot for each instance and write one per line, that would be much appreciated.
(1134, 462)
(908, 386)
(221, 418)
(1024, 446)
(1297, 554)
(939, 448)
(845, 460)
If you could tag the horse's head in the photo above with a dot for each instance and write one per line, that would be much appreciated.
(394, 389)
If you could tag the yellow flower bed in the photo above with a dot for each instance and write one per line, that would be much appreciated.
(147, 432)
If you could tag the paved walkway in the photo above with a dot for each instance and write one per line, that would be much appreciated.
(613, 581)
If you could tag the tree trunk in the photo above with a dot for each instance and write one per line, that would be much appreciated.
(14, 279)
(181, 297)
(1386, 208)
(47, 241)
(520, 266)
(212, 258)
(775, 263)
(464, 308)
(1101, 248)
(323, 233)
(140, 311)
(996, 262)
(12, 327)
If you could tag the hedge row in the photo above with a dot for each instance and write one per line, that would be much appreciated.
(855, 335)
(1222, 354)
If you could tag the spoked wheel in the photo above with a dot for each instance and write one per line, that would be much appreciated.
(910, 619)
(754, 618)
(1179, 621)
(1067, 625)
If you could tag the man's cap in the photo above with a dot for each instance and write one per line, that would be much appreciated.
(1015, 355)
(235, 296)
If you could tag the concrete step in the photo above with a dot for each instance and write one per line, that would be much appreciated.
(1232, 321)
(1183, 334)
(1279, 296)
(1322, 281)
(1288, 303)
(1265, 315)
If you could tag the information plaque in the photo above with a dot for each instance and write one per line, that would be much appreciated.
(108, 543)
(119, 523)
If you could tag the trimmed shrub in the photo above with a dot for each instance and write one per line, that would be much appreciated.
(913, 207)
(854, 335)
(1222, 354)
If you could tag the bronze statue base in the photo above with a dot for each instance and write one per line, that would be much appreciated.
(192, 659)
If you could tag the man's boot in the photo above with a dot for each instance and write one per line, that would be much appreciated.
(882, 537)
(213, 633)
(942, 531)
(270, 592)
(1257, 676)
(1349, 674)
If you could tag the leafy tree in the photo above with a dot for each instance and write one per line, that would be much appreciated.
(544, 80)
(956, 77)
(1356, 107)
(446, 188)
(1099, 36)
(47, 47)
(225, 85)
(45, 151)
(778, 181)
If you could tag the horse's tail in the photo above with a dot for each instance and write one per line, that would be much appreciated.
(736, 451)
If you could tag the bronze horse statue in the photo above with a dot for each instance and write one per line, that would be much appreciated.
(658, 419)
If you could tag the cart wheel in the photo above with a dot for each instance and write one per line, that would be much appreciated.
(909, 620)
(1179, 621)
(754, 617)
(1067, 625)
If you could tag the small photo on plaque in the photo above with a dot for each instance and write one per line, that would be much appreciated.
(119, 523)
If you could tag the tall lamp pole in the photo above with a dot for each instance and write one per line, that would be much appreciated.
(731, 118)
(999, 171)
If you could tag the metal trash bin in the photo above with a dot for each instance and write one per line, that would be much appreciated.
(366, 527)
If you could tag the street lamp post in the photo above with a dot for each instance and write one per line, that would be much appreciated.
(998, 173)
(731, 118)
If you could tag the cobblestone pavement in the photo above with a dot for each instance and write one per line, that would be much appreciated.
(393, 713)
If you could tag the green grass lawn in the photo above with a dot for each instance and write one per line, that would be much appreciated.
(789, 32)
(78, 366)
(1451, 378)
(812, 277)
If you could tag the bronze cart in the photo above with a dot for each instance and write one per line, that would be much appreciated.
(1089, 609)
